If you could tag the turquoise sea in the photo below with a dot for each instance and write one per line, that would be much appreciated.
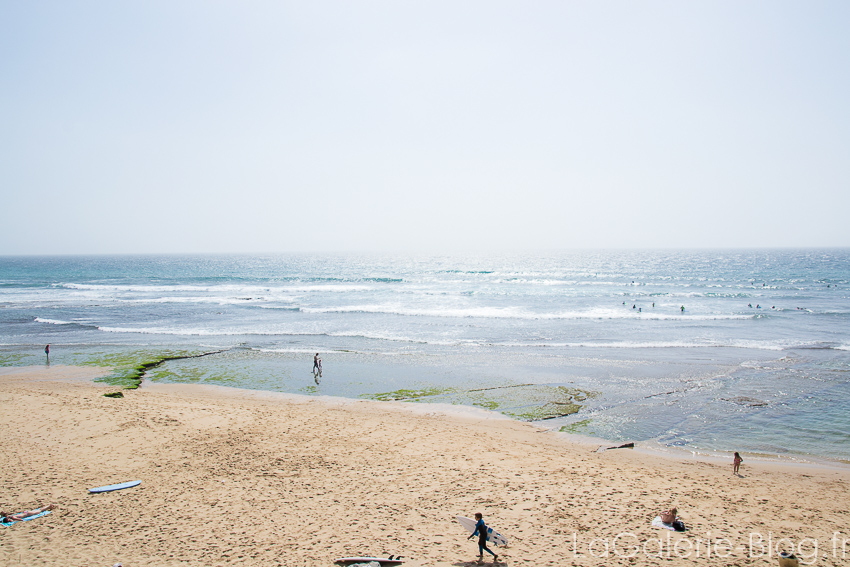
(710, 351)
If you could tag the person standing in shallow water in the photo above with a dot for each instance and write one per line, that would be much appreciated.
(47, 352)
(481, 532)
(316, 364)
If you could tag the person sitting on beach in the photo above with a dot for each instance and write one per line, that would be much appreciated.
(669, 516)
(4, 517)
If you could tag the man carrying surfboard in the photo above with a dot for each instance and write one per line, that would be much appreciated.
(481, 532)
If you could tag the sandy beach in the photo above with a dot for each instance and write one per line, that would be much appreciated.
(236, 477)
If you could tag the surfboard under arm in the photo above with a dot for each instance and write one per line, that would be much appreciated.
(493, 536)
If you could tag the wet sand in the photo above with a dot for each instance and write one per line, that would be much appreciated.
(235, 477)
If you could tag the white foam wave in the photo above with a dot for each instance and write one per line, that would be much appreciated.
(344, 288)
(482, 312)
(653, 344)
(389, 337)
(232, 289)
(212, 299)
(518, 313)
(201, 332)
(402, 338)
(188, 332)
(52, 321)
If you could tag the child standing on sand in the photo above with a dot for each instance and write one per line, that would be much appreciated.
(736, 463)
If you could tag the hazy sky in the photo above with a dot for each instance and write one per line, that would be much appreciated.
(213, 126)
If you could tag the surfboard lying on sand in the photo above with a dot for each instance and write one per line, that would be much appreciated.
(492, 535)
(382, 560)
(112, 487)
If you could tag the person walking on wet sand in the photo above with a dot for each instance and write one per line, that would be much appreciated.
(736, 463)
(481, 532)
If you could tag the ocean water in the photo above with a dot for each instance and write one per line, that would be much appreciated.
(712, 351)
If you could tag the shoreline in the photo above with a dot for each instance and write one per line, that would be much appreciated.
(681, 454)
(453, 410)
(247, 477)
(792, 462)
(710, 412)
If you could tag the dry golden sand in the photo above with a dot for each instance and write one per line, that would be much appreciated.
(232, 477)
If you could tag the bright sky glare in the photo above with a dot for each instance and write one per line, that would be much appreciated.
(224, 126)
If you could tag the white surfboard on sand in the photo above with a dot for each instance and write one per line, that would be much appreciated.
(120, 486)
(492, 535)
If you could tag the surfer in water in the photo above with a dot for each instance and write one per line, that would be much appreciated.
(481, 532)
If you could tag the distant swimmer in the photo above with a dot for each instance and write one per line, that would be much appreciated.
(640, 309)
(750, 305)
(653, 304)
(633, 306)
(683, 308)
(758, 306)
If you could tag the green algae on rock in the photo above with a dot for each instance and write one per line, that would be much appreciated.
(12, 359)
(407, 395)
(128, 368)
(528, 402)
(576, 427)
(538, 402)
